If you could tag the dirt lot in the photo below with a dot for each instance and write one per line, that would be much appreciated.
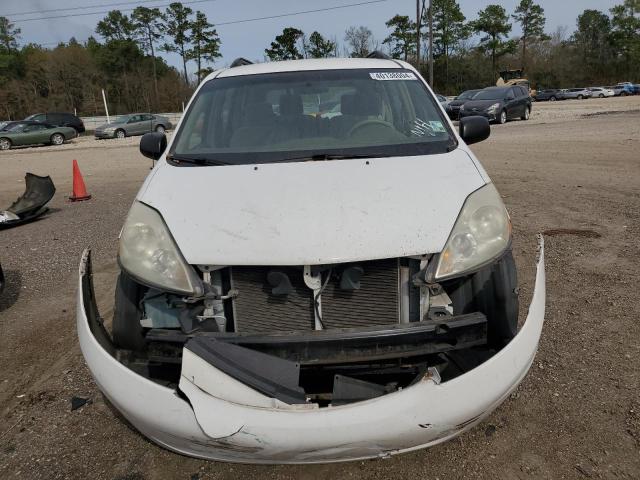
(575, 165)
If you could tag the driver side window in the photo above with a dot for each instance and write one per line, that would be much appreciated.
(510, 95)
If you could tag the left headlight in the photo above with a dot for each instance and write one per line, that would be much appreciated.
(148, 252)
(481, 234)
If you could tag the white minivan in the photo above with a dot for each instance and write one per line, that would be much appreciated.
(317, 269)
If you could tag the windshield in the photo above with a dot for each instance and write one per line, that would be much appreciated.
(297, 115)
(491, 94)
(469, 94)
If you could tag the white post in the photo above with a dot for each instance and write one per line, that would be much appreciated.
(182, 107)
(104, 99)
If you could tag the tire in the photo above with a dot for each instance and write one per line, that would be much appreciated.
(492, 291)
(526, 114)
(5, 144)
(623, 94)
(580, 97)
(127, 331)
(552, 99)
(57, 139)
(160, 129)
(120, 133)
(502, 119)
(601, 96)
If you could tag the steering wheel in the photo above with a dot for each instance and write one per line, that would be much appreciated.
(365, 123)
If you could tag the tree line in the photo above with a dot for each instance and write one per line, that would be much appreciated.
(124, 60)
(126, 57)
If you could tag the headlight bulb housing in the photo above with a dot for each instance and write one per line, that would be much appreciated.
(149, 254)
(480, 235)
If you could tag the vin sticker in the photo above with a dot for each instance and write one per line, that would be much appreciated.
(392, 75)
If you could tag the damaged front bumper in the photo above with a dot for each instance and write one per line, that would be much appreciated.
(213, 415)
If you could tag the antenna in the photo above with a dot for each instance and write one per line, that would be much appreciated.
(379, 54)
(240, 61)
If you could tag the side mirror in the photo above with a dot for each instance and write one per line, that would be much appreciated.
(153, 145)
(474, 129)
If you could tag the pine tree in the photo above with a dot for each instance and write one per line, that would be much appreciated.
(206, 43)
(531, 18)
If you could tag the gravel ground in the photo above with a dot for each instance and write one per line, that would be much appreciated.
(573, 171)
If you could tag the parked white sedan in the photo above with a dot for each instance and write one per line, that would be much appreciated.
(601, 92)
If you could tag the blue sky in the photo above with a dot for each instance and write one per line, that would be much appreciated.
(250, 39)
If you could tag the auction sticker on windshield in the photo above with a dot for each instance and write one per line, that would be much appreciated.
(392, 75)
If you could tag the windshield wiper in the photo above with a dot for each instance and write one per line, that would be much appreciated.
(316, 157)
(194, 161)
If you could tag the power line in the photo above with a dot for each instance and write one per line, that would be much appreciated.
(234, 22)
(302, 12)
(231, 22)
(79, 7)
(191, 2)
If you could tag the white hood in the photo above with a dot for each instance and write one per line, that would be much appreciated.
(309, 213)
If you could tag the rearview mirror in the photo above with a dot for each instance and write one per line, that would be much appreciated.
(153, 145)
(474, 129)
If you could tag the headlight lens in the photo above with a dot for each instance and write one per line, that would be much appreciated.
(493, 108)
(481, 233)
(148, 252)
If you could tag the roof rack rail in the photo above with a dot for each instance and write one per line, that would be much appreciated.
(379, 54)
(238, 62)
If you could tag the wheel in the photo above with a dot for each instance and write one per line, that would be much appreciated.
(526, 114)
(552, 99)
(502, 119)
(623, 94)
(127, 331)
(57, 139)
(160, 129)
(580, 97)
(120, 133)
(492, 291)
(601, 96)
(5, 144)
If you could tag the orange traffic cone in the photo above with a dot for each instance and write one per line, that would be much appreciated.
(79, 190)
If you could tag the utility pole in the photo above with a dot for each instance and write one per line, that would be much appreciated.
(418, 22)
(431, 43)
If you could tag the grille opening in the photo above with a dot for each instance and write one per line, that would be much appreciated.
(257, 310)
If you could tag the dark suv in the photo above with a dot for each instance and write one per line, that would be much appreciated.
(499, 104)
(550, 95)
(59, 120)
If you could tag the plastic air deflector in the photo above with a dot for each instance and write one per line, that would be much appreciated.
(270, 375)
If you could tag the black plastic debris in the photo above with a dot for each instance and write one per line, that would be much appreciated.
(31, 204)
(77, 402)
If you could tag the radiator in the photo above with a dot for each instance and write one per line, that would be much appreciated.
(255, 309)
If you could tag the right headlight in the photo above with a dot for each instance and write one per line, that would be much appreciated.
(481, 234)
(148, 252)
(493, 108)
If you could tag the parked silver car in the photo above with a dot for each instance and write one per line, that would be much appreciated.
(134, 124)
(579, 93)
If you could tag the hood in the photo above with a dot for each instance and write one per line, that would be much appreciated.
(108, 125)
(457, 103)
(480, 104)
(308, 213)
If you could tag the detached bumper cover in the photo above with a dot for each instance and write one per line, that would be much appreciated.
(226, 420)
